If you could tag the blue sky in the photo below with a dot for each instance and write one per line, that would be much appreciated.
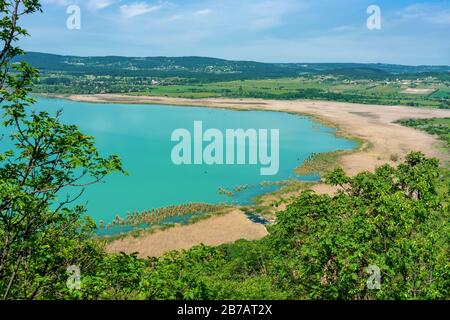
(412, 32)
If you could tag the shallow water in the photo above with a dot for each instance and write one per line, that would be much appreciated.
(141, 134)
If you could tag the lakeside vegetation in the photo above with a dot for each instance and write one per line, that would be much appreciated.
(148, 219)
(156, 216)
(320, 163)
(439, 127)
(138, 227)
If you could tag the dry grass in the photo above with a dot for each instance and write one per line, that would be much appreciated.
(213, 231)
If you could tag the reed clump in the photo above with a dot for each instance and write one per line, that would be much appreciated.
(158, 215)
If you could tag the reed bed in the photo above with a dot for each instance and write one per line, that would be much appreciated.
(158, 215)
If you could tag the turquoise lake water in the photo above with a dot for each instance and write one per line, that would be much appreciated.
(141, 135)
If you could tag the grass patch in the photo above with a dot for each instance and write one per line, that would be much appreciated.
(439, 127)
(321, 163)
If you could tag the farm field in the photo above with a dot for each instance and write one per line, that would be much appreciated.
(435, 92)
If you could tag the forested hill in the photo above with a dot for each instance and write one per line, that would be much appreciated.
(211, 69)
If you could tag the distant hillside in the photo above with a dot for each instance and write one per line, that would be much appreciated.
(211, 69)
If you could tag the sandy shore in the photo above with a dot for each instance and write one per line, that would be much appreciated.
(217, 230)
(371, 123)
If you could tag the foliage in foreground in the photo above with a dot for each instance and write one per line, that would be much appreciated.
(319, 248)
(42, 164)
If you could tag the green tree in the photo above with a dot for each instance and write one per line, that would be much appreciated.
(394, 219)
(43, 173)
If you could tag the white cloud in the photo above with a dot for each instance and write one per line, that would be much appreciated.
(268, 14)
(344, 28)
(137, 9)
(229, 15)
(440, 18)
(173, 18)
(434, 14)
(99, 4)
(58, 2)
(203, 12)
(91, 4)
(264, 23)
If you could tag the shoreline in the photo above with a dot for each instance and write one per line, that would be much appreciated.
(379, 140)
